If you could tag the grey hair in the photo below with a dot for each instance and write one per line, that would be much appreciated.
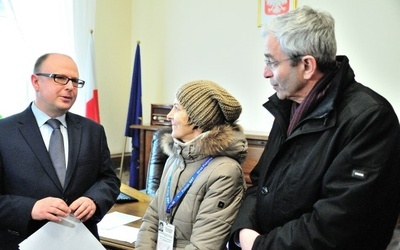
(305, 31)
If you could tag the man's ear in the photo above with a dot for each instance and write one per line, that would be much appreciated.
(35, 82)
(310, 66)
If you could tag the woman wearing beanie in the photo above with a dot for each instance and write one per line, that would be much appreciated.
(202, 184)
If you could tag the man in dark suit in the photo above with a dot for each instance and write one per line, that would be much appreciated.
(31, 194)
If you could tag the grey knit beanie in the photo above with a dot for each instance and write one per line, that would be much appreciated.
(208, 104)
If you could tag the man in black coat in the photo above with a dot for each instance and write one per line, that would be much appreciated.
(329, 177)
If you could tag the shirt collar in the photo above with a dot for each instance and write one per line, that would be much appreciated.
(41, 117)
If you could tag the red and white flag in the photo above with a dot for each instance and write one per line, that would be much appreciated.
(91, 91)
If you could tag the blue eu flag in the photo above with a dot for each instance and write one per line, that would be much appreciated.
(134, 117)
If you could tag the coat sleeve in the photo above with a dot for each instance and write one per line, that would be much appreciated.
(148, 233)
(247, 217)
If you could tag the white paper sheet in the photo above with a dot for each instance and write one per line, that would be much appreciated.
(68, 234)
(121, 233)
(113, 226)
(116, 219)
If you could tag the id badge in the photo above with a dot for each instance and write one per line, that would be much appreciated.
(166, 233)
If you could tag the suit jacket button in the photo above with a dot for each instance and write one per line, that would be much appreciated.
(264, 190)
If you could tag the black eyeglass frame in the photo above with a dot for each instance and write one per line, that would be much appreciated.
(64, 80)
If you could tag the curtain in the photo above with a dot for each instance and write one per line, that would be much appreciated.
(84, 24)
(30, 29)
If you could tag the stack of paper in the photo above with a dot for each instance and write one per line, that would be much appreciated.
(113, 226)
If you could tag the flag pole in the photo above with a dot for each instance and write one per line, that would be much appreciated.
(121, 165)
(91, 92)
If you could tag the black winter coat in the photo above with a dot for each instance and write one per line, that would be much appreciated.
(334, 182)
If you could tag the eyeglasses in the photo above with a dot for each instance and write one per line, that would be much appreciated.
(61, 79)
(274, 64)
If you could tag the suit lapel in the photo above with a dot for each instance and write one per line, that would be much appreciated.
(74, 128)
(31, 133)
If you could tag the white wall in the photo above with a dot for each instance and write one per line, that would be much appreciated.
(203, 40)
(368, 32)
(113, 49)
(184, 40)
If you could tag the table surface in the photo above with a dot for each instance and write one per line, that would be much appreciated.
(133, 208)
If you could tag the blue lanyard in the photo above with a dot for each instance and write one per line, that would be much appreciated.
(185, 188)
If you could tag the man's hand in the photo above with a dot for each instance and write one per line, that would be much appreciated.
(83, 208)
(49, 209)
(247, 238)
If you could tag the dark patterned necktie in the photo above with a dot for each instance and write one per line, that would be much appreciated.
(56, 150)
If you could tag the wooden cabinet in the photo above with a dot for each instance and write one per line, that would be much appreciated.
(256, 146)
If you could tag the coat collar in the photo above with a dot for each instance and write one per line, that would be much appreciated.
(223, 140)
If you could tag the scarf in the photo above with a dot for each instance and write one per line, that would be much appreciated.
(317, 93)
